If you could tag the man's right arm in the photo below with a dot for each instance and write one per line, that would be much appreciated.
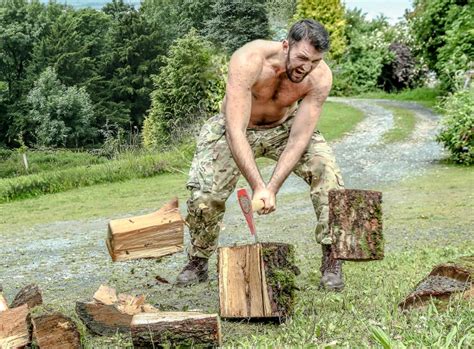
(244, 70)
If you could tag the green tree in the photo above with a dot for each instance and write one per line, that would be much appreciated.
(188, 89)
(22, 25)
(280, 13)
(131, 57)
(62, 115)
(331, 14)
(233, 23)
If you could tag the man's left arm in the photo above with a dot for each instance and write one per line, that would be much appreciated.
(301, 131)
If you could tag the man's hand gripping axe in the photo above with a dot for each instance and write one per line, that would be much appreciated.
(248, 207)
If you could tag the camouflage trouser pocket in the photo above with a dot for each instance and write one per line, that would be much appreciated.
(201, 173)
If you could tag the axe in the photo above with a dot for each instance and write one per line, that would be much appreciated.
(248, 207)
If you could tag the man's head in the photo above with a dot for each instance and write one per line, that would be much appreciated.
(305, 45)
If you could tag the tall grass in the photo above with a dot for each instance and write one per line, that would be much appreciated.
(11, 161)
(131, 165)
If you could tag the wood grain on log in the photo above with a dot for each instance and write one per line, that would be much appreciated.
(355, 223)
(256, 281)
(55, 331)
(176, 329)
(152, 235)
(15, 327)
(3, 303)
(103, 319)
(30, 295)
(444, 281)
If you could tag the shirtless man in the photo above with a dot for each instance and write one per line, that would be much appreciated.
(261, 116)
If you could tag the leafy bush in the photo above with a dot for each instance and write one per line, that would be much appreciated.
(400, 72)
(444, 35)
(62, 115)
(458, 126)
(188, 89)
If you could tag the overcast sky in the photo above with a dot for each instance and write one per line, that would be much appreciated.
(393, 9)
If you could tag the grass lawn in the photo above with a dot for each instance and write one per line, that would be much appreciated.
(427, 220)
(427, 97)
(337, 119)
(404, 122)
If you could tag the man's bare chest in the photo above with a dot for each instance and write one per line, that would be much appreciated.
(277, 91)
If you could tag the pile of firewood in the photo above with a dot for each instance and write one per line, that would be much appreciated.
(109, 313)
(18, 328)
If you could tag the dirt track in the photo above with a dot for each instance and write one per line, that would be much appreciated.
(69, 260)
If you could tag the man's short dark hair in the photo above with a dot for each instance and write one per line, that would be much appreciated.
(309, 29)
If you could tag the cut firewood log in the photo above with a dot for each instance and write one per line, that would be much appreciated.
(176, 329)
(3, 303)
(355, 223)
(103, 319)
(108, 313)
(30, 295)
(55, 331)
(14, 327)
(444, 281)
(148, 236)
(106, 295)
(257, 281)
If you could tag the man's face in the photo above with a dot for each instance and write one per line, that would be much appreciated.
(301, 59)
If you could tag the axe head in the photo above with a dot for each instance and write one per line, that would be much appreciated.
(246, 205)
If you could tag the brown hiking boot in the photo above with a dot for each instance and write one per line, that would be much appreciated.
(193, 272)
(331, 271)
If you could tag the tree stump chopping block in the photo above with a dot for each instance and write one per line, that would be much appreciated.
(355, 223)
(55, 331)
(257, 281)
(176, 329)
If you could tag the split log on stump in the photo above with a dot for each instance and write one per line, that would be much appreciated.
(176, 329)
(30, 295)
(55, 331)
(152, 235)
(103, 319)
(257, 281)
(444, 281)
(355, 223)
(15, 327)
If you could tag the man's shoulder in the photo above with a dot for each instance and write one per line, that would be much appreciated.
(257, 48)
(321, 77)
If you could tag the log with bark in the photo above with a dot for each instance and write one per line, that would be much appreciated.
(355, 223)
(110, 313)
(15, 326)
(30, 295)
(175, 329)
(152, 235)
(444, 281)
(55, 331)
(257, 281)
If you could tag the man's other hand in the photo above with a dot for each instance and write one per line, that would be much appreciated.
(268, 197)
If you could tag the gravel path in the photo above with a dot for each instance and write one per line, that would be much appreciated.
(69, 260)
(365, 162)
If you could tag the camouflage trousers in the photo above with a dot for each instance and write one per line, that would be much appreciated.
(214, 175)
